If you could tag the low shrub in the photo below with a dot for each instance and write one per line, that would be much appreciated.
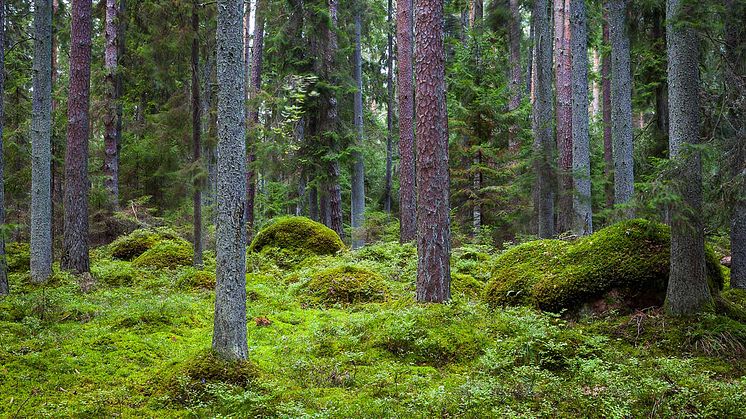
(18, 256)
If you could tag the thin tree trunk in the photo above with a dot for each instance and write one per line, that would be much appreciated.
(57, 147)
(477, 8)
(433, 222)
(255, 85)
(41, 147)
(405, 77)
(606, 117)
(313, 203)
(581, 158)
(4, 287)
(515, 72)
(196, 136)
(530, 61)
(358, 173)
(111, 147)
(229, 336)
(563, 82)
(542, 120)
(621, 105)
(596, 101)
(389, 110)
(661, 90)
(687, 291)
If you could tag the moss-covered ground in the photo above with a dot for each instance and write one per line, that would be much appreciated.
(138, 346)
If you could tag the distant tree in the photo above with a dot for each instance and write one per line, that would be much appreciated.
(41, 144)
(111, 127)
(542, 119)
(229, 332)
(405, 77)
(433, 218)
(75, 241)
(255, 85)
(687, 291)
(514, 45)
(581, 158)
(563, 88)
(4, 288)
(196, 137)
(358, 172)
(389, 108)
(606, 112)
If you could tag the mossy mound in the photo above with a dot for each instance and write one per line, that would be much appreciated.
(166, 254)
(732, 303)
(630, 258)
(132, 245)
(196, 279)
(115, 273)
(345, 285)
(466, 285)
(299, 234)
(18, 256)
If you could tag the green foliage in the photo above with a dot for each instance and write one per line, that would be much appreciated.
(732, 303)
(192, 278)
(18, 256)
(344, 285)
(115, 272)
(166, 254)
(136, 243)
(631, 257)
(298, 234)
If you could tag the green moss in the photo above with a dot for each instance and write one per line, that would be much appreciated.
(299, 234)
(18, 256)
(466, 285)
(345, 285)
(132, 245)
(196, 279)
(169, 254)
(115, 272)
(631, 257)
(732, 303)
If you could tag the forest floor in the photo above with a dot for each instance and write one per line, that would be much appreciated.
(136, 350)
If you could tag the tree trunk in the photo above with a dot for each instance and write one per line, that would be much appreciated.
(661, 90)
(41, 147)
(405, 77)
(313, 203)
(4, 288)
(476, 14)
(514, 46)
(530, 61)
(687, 291)
(196, 137)
(596, 101)
(56, 173)
(433, 222)
(330, 121)
(111, 147)
(358, 173)
(75, 241)
(542, 120)
(563, 82)
(581, 158)
(606, 117)
(229, 336)
(621, 106)
(255, 85)
(389, 110)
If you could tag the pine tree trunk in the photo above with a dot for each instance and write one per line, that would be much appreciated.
(606, 117)
(41, 147)
(661, 89)
(687, 291)
(405, 78)
(313, 203)
(4, 287)
(514, 46)
(358, 173)
(75, 241)
(621, 105)
(596, 98)
(542, 120)
(229, 336)
(196, 136)
(433, 222)
(255, 85)
(389, 110)
(581, 158)
(563, 86)
(111, 147)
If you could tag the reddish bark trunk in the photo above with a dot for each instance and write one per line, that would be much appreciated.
(196, 136)
(563, 81)
(407, 195)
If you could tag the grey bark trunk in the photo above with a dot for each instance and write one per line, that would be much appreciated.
(229, 335)
(606, 117)
(542, 118)
(111, 146)
(255, 85)
(687, 291)
(4, 287)
(196, 137)
(405, 78)
(433, 222)
(621, 106)
(313, 203)
(358, 174)
(515, 71)
(581, 159)
(41, 144)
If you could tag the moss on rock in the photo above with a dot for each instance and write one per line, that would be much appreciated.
(631, 257)
(132, 245)
(466, 285)
(166, 254)
(345, 285)
(732, 303)
(300, 234)
(196, 279)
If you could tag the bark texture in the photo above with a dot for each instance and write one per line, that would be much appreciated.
(196, 137)
(563, 87)
(111, 136)
(229, 333)
(389, 110)
(75, 240)
(405, 77)
(542, 118)
(621, 105)
(581, 158)
(687, 291)
(516, 88)
(255, 85)
(433, 223)
(358, 173)
(41, 144)
(4, 288)
(606, 117)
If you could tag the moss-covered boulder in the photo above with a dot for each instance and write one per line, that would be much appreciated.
(298, 234)
(467, 285)
(132, 245)
(630, 258)
(166, 254)
(196, 279)
(344, 285)
(18, 256)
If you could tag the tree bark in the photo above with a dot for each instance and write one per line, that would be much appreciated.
(196, 137)
(405, 77)
(111, 147)
(255, 85)
(514, 46)
(606, 117)
(433, 222)
(581, 158)
(313, 203)
(4, 287)
(621, 106)
(563, 86)
(75, 241)
(389, 109)
(358, 173)
(687, 291)
(229, 336)
(542, 120)
(329, 125)
(41, 147)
